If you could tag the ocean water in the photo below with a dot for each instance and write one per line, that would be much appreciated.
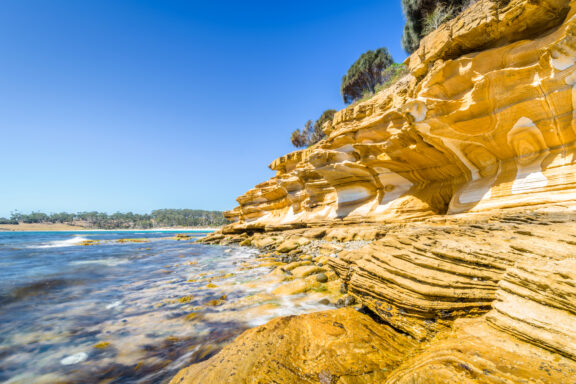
(124, 312)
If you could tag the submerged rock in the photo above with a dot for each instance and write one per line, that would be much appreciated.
(346, 301)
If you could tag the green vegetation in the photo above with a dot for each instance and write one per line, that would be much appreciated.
(391, 75)
(99, 220)
(376, 70)
(365, 74)
(423, 16)
(371, 73)
(438, 16)
(312, 132)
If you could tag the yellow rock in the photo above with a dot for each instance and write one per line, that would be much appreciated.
(293, 287)
(89, 242)
(475, 353)
(122, 241)
(306, 270)
(291, 244)
(296, 264)
(182, 236)
(323, 347)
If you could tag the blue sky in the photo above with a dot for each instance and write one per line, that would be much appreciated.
(135, 105)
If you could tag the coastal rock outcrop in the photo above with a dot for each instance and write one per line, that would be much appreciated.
(341, 346)
(445, 205)
(483, 298)
(422, 276)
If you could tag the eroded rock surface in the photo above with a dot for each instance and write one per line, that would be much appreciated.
(339, 346)
(421, 276)
(484, 120)
(446, 207)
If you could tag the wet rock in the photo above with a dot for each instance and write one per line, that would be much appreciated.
(296, 264)
(246, 242)
(307, 270)
(292, 288)
(321, 278)
(349, 300)
(291, 244)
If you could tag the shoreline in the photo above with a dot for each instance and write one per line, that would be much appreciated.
(69, 228)
(387, 278)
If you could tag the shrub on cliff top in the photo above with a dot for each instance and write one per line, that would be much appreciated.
(391, 75)
(317, 132)
(365, 74)
(312, 132)
(299, 138)
(424, 16)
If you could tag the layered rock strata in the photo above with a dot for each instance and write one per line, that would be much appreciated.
(485, 298)
(420, 277)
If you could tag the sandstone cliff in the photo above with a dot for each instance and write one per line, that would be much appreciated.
(459, 182)
(484, 120)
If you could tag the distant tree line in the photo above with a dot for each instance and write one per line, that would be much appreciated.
(128, 220)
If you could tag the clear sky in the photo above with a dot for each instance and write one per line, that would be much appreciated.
(135, 105)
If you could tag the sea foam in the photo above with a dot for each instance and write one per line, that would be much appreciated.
(62, 243)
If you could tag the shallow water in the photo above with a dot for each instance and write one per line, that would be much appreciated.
(125, 312)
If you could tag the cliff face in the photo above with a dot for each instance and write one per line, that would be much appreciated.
(417, 177)
(484, 120)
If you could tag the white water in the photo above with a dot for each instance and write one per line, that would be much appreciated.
(61, 243)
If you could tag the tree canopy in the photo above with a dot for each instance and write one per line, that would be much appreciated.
(365, 74)
(312, 132)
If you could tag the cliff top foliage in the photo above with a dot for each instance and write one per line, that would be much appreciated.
(99, 220)
(365, 74)
(389, 76)
(375, 70)
(425, 16)
(312, 132)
